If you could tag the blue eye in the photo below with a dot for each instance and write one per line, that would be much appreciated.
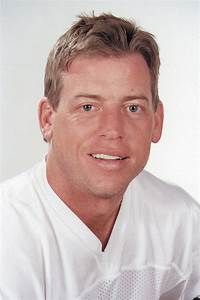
(133, 108)
(87, 107)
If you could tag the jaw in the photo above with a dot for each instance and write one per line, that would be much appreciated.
(107, 178)
(87, 177)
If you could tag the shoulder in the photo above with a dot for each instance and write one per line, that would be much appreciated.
(167, 210)
(20, 198)
(20, 208)
(21, 234)
(18, 188)
(161, 194)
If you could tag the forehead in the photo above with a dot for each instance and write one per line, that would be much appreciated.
(126, 63)
(104, 75)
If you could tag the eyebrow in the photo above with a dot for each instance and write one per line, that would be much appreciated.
(91, 96)
(133, 97)
(126, 98)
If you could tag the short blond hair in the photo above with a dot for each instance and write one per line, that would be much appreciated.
(105, 35)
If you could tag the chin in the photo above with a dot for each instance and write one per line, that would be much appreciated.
(108, 191)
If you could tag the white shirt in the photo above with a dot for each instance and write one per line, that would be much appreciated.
(48, 253)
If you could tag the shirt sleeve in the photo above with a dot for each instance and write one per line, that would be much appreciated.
(20, 256)
(193, 287)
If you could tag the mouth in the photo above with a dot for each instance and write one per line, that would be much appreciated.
(107, 157)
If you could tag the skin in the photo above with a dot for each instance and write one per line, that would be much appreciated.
(105, 108)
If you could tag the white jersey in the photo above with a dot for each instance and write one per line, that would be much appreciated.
(48, 253)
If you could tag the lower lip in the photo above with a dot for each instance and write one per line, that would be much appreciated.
(108, 164)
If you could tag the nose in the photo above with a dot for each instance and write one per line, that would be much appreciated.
(112, 124)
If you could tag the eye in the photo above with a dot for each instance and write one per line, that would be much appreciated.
(87, 107)
(133, 108)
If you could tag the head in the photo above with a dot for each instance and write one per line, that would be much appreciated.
(105, 35)
(101, 109)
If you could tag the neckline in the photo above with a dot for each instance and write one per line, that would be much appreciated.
(77, 226)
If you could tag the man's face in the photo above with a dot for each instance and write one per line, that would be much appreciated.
(104, 125)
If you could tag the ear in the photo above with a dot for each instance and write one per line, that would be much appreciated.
(158, 123)
(46, 115)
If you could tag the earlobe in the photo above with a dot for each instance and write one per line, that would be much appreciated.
(158, 124)
(46, 116)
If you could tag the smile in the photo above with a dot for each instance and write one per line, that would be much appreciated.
(107, 157)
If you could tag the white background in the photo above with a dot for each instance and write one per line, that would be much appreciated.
(28, 31)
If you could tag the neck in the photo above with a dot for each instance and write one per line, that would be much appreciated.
(102, 226)
(99, 219)
(98, 214)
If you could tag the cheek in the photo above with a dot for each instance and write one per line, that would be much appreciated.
(71, 134)
(83, 127)
(140, 132)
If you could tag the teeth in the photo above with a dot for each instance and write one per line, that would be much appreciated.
(106, 156)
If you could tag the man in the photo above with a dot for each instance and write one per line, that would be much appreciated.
(88, 222)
